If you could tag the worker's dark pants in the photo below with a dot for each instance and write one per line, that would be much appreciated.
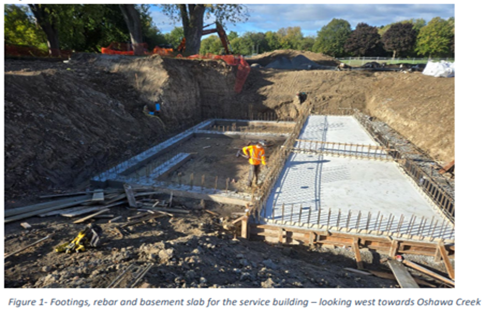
(254, 170)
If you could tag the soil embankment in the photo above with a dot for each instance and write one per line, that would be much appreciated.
(66, 122)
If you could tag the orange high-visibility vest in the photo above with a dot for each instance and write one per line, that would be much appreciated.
(256, 154)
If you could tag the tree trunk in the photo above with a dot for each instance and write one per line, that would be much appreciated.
(47, 24)
(132, 19)
(394, 54)
(192, 20)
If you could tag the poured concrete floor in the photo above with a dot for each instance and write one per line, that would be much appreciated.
(354, 192)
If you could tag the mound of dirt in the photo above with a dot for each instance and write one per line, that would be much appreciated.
(280, 63)
(298, 63)
(269, 57)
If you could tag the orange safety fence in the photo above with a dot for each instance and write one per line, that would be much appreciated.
(117, 48)
(31, 51)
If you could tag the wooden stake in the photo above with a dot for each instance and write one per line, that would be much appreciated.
(357, 254)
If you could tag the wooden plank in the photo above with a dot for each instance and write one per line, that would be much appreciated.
(447, 261)
(357, 254)
(79, 212)
(428, 272)
(45, 210)
(391, 276)
(447, 167)
(60, 211)
(115, 219)
(28, 246)
(218, 198)
(65, 194)
(91, 216)
(402, 275)
(98, 196)
(171, 210)
(25, 225)
(130, 197)
(393, 248)
(364, 273)
(45, 206)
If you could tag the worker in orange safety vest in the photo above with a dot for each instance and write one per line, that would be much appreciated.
(256, 156)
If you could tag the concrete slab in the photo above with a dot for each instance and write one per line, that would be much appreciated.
(342, 129)
(346, 192)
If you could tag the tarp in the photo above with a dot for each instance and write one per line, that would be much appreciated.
(439, 69)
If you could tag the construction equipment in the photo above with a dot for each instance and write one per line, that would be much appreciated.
(222, 36)
(89, 237)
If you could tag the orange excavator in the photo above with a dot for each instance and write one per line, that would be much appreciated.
(164, 51)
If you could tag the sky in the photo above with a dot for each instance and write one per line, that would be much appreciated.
(312, 17)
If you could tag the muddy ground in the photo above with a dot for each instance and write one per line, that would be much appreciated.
(67, 122)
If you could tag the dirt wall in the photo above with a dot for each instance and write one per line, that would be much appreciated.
(66, 122)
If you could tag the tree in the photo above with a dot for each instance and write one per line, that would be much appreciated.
(47, 18)
(307, 43)
(175, 36)
(20, 28)
(132, 18)
(435, 38)
(150, 33)
(417, 23)
(332, 38)
(399, 38)
(290, 37)
(272, 40)
(211, 45)
(364, 41)
(232, 35)
(192, 17)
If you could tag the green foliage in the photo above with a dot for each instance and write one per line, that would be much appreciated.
(364, 41)
(417, 23)
(232, 35)
(175, 36)
(272, 40)
(399, 38)
(211, 44)
(332, 38)
(20, 27)
(307, 43)
(436, 39)
(151, 34)
(290, 37)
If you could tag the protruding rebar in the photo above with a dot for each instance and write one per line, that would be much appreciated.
(368, 221)
(291, 213)
(300, 214)
(376, 221)
(338, 218)
(347, 220)
(359, 219)
(216, 184)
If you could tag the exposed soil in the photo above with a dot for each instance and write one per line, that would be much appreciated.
(269, 57)
(186, 250)
(66, 122)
